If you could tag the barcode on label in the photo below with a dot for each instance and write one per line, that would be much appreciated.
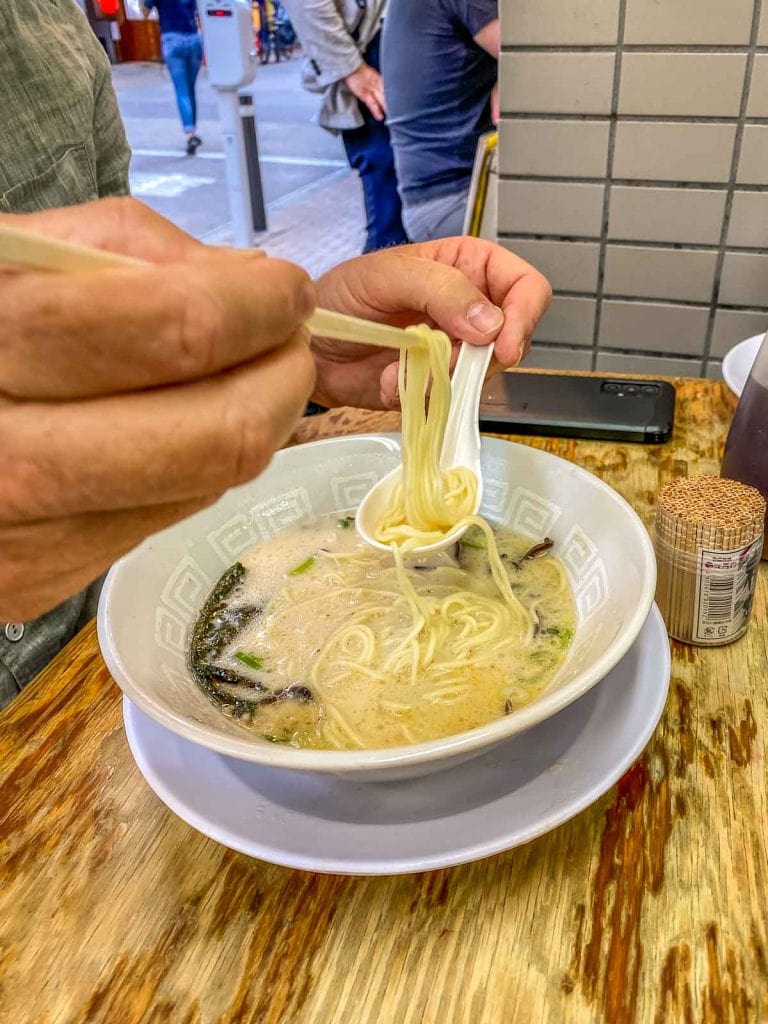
(718, 606)
(724, 592)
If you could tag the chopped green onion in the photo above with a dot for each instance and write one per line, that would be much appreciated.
(345, 523)
(249, 659)
(474, 538)
(564, 635)
(307, 564)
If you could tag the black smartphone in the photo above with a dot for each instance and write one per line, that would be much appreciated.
(565, 405)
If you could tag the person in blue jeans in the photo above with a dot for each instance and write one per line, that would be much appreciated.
(369, 152)
(183, 54)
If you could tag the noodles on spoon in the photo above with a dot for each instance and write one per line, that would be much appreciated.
(429, 501)
(432, 501)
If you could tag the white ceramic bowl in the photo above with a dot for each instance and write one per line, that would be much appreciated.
(738, 362)
(151, 597)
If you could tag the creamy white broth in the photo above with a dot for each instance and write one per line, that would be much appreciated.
(307, 647)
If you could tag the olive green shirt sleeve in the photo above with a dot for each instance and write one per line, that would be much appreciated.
(62, 140)
(113, 155)
(62, 143)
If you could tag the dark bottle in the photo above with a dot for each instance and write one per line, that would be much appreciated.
(746, 450)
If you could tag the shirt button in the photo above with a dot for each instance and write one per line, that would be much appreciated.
(14, 631)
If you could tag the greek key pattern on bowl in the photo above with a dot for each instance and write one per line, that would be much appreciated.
(170, 631)
(587, 571)
(183, 594)
(187, 587)
(495, 498)
(259, 522)
(531, 514)
(282, 511)
(234, 537)
(349, 491)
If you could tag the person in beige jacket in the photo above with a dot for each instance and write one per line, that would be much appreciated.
(341, 40)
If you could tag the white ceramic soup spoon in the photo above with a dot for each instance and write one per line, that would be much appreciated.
(461, 448)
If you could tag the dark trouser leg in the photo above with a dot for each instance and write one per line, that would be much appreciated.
(369, 152)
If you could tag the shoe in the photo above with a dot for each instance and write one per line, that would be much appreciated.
(192, 143)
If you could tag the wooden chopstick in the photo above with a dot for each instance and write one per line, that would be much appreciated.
(327, 324)
(24, 250)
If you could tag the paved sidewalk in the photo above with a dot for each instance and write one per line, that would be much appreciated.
(317, 230)
(314, 202)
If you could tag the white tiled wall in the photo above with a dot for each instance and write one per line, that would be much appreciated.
(633, 166)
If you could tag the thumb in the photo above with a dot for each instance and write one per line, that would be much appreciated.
(447, 296)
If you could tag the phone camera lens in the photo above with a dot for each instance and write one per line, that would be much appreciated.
(650, 389)
(632, 389)
(612, 388)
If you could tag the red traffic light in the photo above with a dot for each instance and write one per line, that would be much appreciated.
(108, 7)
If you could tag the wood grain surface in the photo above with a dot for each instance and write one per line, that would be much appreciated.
(648, 908)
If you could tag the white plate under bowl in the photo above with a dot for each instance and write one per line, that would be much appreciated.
(508, 796)
(738, 363)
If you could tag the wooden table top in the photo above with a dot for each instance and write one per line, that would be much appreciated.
(650, 907)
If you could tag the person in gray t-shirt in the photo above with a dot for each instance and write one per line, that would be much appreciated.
(439, 61)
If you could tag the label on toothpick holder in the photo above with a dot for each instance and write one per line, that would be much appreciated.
(724, 594)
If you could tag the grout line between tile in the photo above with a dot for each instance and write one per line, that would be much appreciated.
(702, 49)
(607, 186)
(722, 248)
(563, 345)
(561, 293)
(642, 352)
(657, 300)
(552, 115)
(630, 243)
(681, 186)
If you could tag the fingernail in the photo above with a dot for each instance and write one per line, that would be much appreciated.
(485, 318)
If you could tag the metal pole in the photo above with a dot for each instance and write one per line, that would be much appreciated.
(237, 169)
(256, 189)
